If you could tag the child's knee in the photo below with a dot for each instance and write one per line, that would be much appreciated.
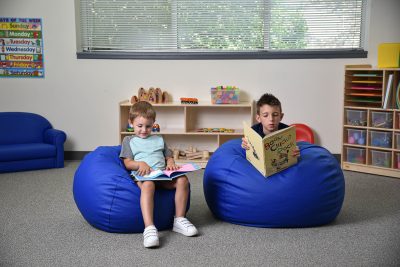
(148, 186)
(183, 181)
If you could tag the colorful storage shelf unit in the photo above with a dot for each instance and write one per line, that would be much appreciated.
(371, 133)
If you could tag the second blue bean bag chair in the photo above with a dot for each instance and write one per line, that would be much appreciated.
(309, 193)
(109, 199)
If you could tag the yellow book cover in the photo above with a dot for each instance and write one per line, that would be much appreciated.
(274, 152)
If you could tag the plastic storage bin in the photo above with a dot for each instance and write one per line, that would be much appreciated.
(398, 121)
(381, 139)
(397, 140)
(356, 137)
(225, 95)
(381, 158)
(356, 117)
(355, 155)
(397, 163)
(381, 119)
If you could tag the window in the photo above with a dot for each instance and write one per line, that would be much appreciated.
(180, 29)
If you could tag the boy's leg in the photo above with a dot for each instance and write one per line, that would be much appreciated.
(181, 185)
(150, 233)
(181, 196)
(147, 201)
(181, 224)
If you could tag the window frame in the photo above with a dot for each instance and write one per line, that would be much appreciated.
(355, 53)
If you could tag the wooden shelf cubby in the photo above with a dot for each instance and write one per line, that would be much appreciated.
(179, 124)
(371, 134)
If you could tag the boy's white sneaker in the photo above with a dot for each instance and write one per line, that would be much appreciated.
(183, 226)
(150, 237)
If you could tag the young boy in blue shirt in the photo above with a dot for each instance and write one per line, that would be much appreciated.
(143, 152)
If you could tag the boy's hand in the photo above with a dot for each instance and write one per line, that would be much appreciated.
(143, 169)
(296, 152)
(245, 144)
(171, 166)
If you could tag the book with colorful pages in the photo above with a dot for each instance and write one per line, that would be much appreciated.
(274, 152)
(162, 175)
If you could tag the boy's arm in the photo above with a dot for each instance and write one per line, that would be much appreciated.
(171, 165)
(127, 157)
(140, 166)
(169, 160)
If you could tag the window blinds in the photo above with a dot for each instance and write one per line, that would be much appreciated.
(125, 25)
(221, 25)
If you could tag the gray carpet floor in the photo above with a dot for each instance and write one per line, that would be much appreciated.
(41, 226)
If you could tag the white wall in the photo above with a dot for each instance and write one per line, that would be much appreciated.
(81, 96)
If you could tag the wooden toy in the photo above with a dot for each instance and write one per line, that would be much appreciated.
(215, 130)
(194, 155)
(191, 153)
(206, 154)
(134, 99)
(176, 154)
(189, 100)
(142, 94)
(165, 97)
(158, 94)
(153, 96)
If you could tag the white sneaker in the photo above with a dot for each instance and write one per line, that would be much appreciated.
(183, 226)
(150, 237)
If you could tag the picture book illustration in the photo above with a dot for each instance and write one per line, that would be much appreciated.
(272, 153)
(164, 175)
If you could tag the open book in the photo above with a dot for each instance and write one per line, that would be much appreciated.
(164, 175)
(272, 153)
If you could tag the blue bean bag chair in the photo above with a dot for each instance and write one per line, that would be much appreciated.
(307, 194)
(109, 199)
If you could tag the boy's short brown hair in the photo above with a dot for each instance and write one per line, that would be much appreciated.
(268, 99)
(143, 109)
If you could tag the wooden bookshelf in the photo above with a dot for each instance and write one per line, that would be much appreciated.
(179, 124)
(371, 134)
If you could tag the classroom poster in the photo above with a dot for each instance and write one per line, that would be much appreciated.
(21, 48)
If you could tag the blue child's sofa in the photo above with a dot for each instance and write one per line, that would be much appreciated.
(29, 142)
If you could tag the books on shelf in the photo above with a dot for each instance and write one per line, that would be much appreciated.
(374, 94)
(388, 91)
(366, 88)
(274, 152)
(164, 175)
(364, 81)
(365, 100)
(365, 75)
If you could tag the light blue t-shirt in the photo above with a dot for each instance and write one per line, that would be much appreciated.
(149, 150)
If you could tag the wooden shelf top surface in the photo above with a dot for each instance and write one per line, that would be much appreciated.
(182, 132)
(371, 108)
(201, 104)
